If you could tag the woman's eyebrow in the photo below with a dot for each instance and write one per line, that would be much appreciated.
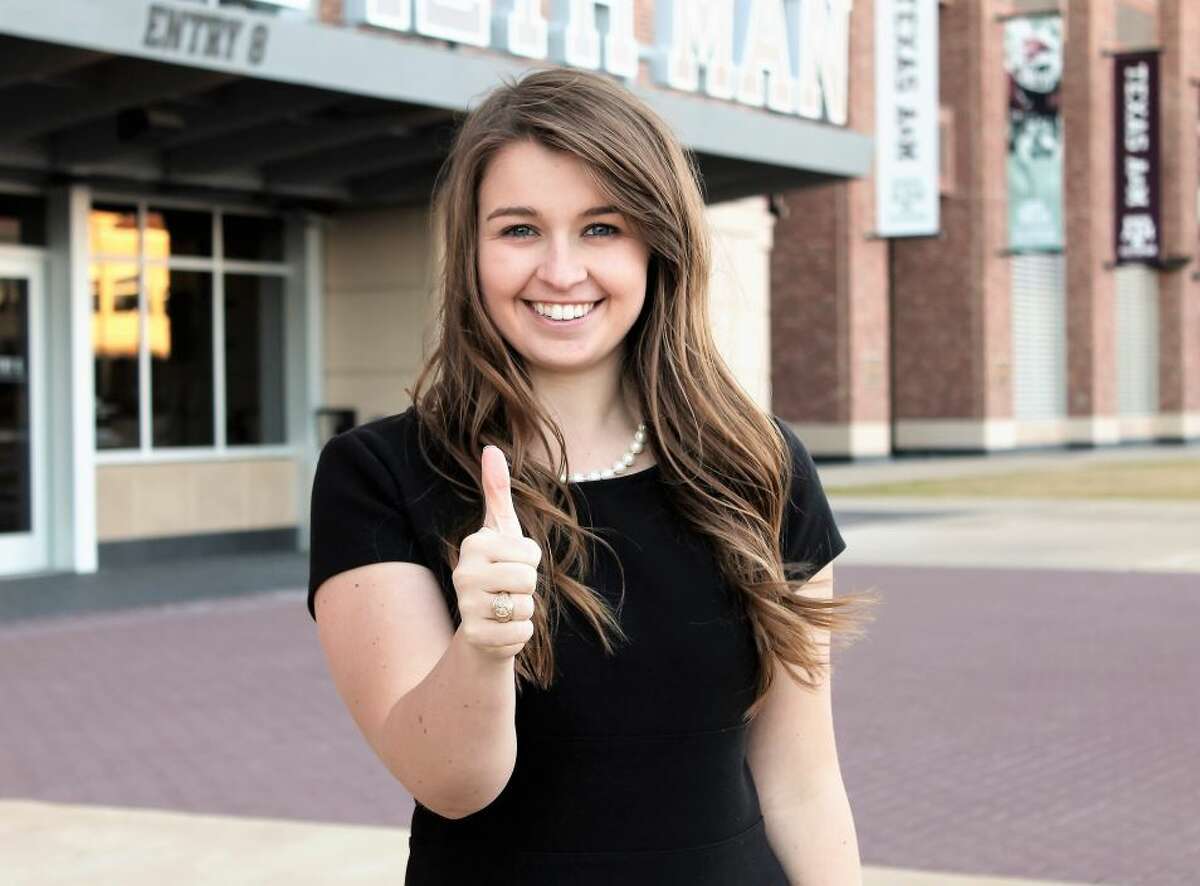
(527, 212)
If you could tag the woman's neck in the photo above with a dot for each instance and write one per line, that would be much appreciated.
(595, 437)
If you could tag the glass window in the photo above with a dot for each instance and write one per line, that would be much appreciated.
(179, 311)
(23, 219)
(178, 232)
(252, 237)
(113, 230)
(143, 302)
(15, 476)
(254, 371)
(115, 338)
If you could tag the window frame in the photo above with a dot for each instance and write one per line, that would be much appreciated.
(218, 266)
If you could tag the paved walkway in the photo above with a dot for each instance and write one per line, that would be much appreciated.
(1019, 712)
(995, 722)
(1120, 535)
(1110, 535)
(902, 468)
(152, 584)
(71, 844)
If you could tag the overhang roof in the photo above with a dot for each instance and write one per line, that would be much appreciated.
(329, 116)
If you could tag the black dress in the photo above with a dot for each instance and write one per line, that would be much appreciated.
(630, 769)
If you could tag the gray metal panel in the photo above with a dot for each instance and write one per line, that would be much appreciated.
(359, 62)
(733, 130)
(1137, 340)
(1039, 335)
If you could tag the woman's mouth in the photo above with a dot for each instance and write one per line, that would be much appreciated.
(562, 315)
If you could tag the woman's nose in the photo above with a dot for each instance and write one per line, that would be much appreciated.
(561, 267)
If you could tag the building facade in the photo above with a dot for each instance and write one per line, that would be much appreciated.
(1016, 324)
(214, 230)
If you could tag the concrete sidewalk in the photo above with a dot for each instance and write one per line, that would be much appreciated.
(1089, 534)
(996, 722)
(901, 469)
(206, 743)
(1108, 534)
(50, 844)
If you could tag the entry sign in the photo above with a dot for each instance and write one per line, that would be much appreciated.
(906, 118)
(1136, 229)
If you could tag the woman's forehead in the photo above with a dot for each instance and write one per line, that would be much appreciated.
(529, 174)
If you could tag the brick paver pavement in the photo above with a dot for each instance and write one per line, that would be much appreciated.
(1033, 722)
(1037, 723)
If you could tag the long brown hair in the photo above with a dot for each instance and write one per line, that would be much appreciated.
(721, 457)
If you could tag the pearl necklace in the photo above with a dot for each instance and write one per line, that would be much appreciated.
(619, 466)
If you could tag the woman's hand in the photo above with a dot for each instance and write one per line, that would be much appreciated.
(497, 558)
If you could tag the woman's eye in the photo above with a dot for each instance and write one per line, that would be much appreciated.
(511, 230)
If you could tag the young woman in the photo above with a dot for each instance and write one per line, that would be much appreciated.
(568, 596)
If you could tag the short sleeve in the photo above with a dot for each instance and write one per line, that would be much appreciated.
(809, 532)
(357, 514)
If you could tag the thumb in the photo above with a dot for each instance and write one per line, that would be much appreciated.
(500, 513)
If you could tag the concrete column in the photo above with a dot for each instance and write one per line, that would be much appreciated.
(951, 294)
(740, 291)
(1087, 94)
(829, 296)
(1179, 289)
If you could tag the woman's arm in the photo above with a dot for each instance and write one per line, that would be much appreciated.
(814, 839)
(793, 758)
(440, 716)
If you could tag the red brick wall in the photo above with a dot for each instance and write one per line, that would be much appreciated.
(1087, 94)
(1179, 316)
(951, 293)
(829, 284)
(808, 314)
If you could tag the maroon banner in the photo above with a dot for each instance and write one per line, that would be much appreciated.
(1136, 229)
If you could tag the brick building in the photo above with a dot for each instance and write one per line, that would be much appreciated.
(960, 341)
(214, 238)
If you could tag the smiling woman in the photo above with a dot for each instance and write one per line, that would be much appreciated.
(563, 288)
(590, 658)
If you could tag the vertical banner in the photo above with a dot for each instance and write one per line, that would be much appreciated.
(906, 118)
(1135, 96)
(1033, 60)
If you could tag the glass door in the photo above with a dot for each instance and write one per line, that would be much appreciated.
(23, 523)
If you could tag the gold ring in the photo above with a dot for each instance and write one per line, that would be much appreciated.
(502, 606)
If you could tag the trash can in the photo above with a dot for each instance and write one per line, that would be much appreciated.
(334, 420)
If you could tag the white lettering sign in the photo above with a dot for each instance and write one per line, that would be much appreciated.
(791, 56)
(1137, 107)
(577, 42)
(696, 36)
(1139, 236)
(463, 21)
(763, 61)
(824, 58)
(518, 28)
(906, 118)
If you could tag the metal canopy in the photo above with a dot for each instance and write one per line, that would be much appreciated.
(327, 117)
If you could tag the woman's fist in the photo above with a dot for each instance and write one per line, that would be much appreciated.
(496, 559)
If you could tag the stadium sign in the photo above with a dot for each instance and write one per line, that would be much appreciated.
(790, 56)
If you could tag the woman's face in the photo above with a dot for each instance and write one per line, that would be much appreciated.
(547, 239)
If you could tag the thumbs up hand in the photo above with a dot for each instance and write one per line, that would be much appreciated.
(501, 513)
(497, 559)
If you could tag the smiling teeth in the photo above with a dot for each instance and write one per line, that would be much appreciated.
(562, 312)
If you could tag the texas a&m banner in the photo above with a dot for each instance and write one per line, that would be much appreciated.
(1135, 96)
